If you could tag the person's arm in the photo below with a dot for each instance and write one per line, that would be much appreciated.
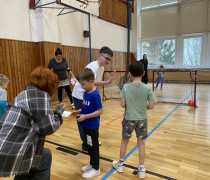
(69, 70)
(46, 121)
(122, 102)
(75, 113)
(96, 102)
(151, 104)
(96, 113)
(150, 97)
(101, 83)
(50, 65)
(72, 75)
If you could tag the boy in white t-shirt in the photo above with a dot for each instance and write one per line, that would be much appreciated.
(98, 69)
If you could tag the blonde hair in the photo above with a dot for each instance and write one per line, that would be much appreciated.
(3, 79)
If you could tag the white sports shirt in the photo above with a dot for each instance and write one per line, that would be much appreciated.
(97, 70)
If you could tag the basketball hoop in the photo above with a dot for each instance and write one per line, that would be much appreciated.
(96, 4)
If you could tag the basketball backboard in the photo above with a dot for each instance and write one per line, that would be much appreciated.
(85, 6)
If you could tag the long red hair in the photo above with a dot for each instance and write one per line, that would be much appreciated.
(44, 79)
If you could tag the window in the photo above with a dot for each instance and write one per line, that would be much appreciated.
(160, 52)
(192, 51)
(167, 52)
(149, 48)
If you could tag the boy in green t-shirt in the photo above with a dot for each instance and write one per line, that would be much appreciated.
(134, 97)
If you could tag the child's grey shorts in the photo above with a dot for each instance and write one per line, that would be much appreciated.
(139, 126)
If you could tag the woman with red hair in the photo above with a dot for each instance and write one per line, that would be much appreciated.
(24, 125)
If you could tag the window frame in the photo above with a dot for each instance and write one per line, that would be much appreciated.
(157, 51)
(190, 36)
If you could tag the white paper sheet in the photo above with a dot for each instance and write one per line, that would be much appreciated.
(66, 113)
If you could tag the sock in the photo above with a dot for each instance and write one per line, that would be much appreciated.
(141, 167)
(121, 161)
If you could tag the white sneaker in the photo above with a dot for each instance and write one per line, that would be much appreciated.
(99, 143)
(72, 106)
(91, 173)
(86, 168)
(116, 165)
(142, 173)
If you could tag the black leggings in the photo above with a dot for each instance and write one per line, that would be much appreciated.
(68, 90)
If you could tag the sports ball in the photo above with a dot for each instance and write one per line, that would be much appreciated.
(191, 103)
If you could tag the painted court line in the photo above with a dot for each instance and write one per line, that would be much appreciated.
(129, 153)
(109, 123)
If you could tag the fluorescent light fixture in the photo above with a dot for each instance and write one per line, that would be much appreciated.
(160, 5)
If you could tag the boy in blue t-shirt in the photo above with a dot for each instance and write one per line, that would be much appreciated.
(134, 98)
(3, 93)
(89, 118)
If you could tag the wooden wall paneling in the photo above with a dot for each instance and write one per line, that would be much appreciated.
(16, 70)
(23, 63)
(13, 69)
(120, 61)
(19, 74)
(1, 58)
(41, 53)
(14, 75)
(72, 63)
(5, 67)
(124, 61)
(39, 61)
(115, 11)
(78, 60)
(24, 60)
(19, 58)
(46, 54)
(33, 58)
(9, 69)
(104, 11)
(30, 61)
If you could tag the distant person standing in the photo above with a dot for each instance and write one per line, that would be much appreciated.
(60, 66)
(160, 77)
(145, 62)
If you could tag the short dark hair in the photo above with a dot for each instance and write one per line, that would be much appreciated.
(161, 66)
(136, 68)
(58, 52)
(106, 50)
(86, 74)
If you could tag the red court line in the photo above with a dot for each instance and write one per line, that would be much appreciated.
(109, 123)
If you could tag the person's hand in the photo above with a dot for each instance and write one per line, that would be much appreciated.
(74, 114)
(112, 76)
(81, 118)
(72, 75)
(63, 105)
